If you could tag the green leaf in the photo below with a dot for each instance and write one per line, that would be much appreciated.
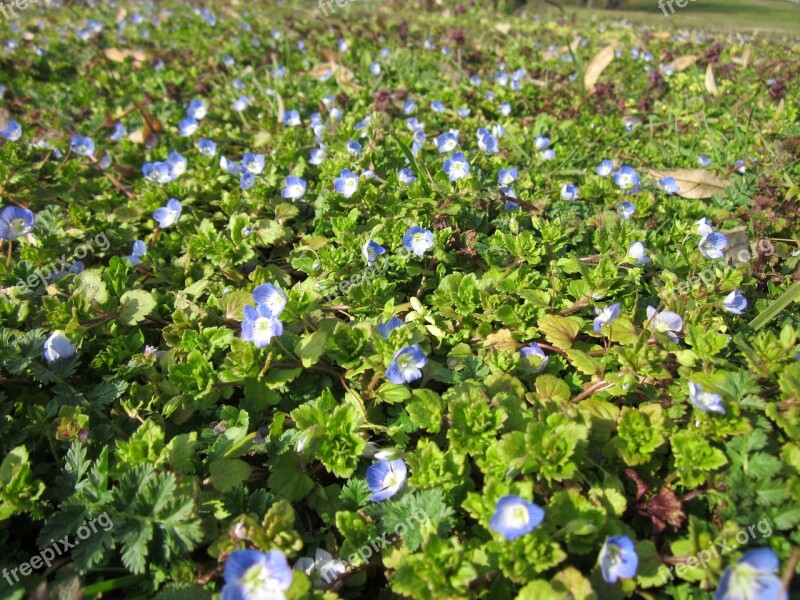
(135, 306)
(559, 331)
(228, 473)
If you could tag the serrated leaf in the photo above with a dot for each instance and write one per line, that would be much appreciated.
(136, 305)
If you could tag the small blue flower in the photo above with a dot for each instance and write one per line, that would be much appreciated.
(605, 316)
(475, 80)
(487, 142)
(734, 303)
(252, 575)
(638, 252)
(669, 185)
(375, 68)
(665, 321)
(294, 187)
(316, 156)
(291, 118)
(177, 163)
(238, 85)
(406, 366)
(704, 160)
(229, 166)
(514, 517)
(605, 168)
(406, 176)
(752, 577)
(354, 148)
(386, 328)
(158, 172)
(456, 167)
(169, 214)
(241, 104)
(705, 401)
(260, 325)
(246, 180)
(57, 346)
(569, 192)
(409, 107)
(740, 167)
(346, 184)
(437, 106)
(618, 559)
(253, 163)
(371, 251)
(713, 245)
(82, 145)
(447, 142)
(541, 142)
(15, 222)
(498, 130)
(626, 210)
(118, 133)
(504, 109)
(418, 240)
(535, 356)
(158, 64)
(270, 296)
(507, 176)
(548, 154)
(509, 204)
(196, 109)
(627, 179)
(501, 79)
(207, 147)
(137, 252)
(385, 478)
(463, 112)
(228, 61)
(187, 127)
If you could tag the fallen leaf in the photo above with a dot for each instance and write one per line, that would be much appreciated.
(711, 82)
(596, 67)
(151, 126)
(693, 183)
(344, 77)
(661, 35)
(503, 28)
(117, 55)
(684, 62)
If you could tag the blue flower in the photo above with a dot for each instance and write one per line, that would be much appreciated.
(346, 184)
(386, 328)
(508, 194)
(118, 133)
(669, 185)
(294, 187)
(375, 68)
(605, 168)
(437, 106)
(734, 303)
(260, 325)
(82, 145)
(627, 179)
(253, 163)
(713, 245)
(753, 576)
(501, 78)
(406, 365)
(316, 156)
(507, 176)
(169, 214)
(207, 147)
(705, 401)
(158, 172)
(15, 222)
(535, 357)
(638, 252)
(177, 163)
(409, 107)
(740, 167)
(504, 109)
(704, 160)
(270, 296)
(256, 575)
(11, 131)
(406, 176)
(665, 321)
(241, 104)
(548, 154)
(246, 180)
(541, 142)
(385, 478)
(498, 130)
(618, 559)
(463, 112)
(569, 192)
(626, 210)
(187, 127)
(456, 167)
(371, 251)
(475, 80)
(354, 148)
(418, 240)
(447, 142)
(57, 346)
(514, 517)
(137, 252)
(229, 166)
(196, 109)
(605, 316)
(487, 142)
(291, 118)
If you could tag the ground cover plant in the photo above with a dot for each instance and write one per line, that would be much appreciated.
(352, 301)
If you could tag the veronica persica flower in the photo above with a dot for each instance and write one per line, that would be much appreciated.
(456, 167)
(409, 107)
(627, 179)
(15, 222)
(177, 163)
(82, 145)
(753, 577)
(665, 321)
(534, 354)
(618, 559)
(507, 176)
(447, 142)
(386, 328)
(740, 167)
(541, 142)
(626, 210)
(57, 346)
(514, 517)
(207, 147)
(139, 250)
(605, 168)
(271, 296)
(230, 167)
(437, 106)
(246, 180)
(705, 401)
(418, 240)
(734, 303)
(294, 187)
(406, 176)
(669, 185)
(169, 214)
(713, 245)
(504, 109)
(375, 68)
(638, 252)
(322, 569)
(463, 112)
(371, 251)
(487, 142)
(605, 316)
(256, 575)
(475, 80)
(196, 109)
(260, 325)
(346, 184)
(702, 228)
(187, 127)
(253, 163)
(704, 161)
(316, 156)
(406, 366)
(569, 192)
(241, 104)
(11, 131)
(158, 172)
(385, 478)
(548, 154)
(354, 148)
(291, 118)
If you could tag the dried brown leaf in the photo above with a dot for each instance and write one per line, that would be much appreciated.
(683, 62)
(693, 183)
(596, 67)
(711, 81)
